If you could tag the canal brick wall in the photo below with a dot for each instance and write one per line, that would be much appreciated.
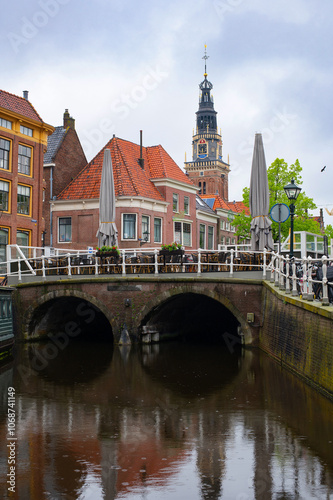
(299, 335)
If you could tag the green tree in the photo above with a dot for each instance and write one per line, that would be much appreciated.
(279, 175)
(329, 231)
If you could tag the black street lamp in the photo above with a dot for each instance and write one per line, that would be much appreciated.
(292, 191)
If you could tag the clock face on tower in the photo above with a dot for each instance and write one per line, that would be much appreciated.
(202, 148)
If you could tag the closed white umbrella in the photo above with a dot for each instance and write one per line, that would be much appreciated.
(107, 231)
(261, 231)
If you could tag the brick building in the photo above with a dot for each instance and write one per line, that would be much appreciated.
(63, 160)
(155, 201)
(23, 141)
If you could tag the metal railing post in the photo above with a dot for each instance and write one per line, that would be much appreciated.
(277, 270)
(19, 268)
(281, 277)
(264, 264)
(325, 301)
(273, 267)
(310, 287)
(231, 271)
(43, 266)
(123, 264)
(199, 262)
(287, 275)
(304, 279)
(69, 264)
(156, 261)
(294, 278)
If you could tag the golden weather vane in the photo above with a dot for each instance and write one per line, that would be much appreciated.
(205, 57)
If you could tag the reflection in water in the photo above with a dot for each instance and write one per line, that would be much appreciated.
(165, 421)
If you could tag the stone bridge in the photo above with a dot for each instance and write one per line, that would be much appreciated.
(166, 304)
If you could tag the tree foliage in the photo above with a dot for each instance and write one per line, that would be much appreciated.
(280, 174)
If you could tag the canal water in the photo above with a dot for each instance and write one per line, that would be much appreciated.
(172, 421)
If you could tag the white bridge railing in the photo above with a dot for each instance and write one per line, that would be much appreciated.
(308, 278)
(31, 261)
(311, 279)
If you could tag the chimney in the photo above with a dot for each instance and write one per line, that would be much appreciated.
(26, 94)
(141, 160)
(69, 122)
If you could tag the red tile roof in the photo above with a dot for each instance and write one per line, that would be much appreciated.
(129, 178)
(161, 165)
(18, 105)
(234, 206)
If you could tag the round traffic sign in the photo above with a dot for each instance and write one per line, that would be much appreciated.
(279, 212)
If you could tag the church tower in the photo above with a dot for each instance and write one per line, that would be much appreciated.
(207, 170)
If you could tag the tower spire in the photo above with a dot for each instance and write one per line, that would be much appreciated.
(205, 57)
(207, 165)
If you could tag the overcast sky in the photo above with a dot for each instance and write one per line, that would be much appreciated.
(121, 66)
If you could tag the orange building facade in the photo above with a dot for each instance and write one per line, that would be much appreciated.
(23, 141)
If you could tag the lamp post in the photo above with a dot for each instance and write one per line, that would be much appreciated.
(292, 191)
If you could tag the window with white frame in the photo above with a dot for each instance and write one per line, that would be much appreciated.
(157, 230)
(202, 235)
(227, 226)
(4, 196)
(129, 226)
(186, 205)
(4, 154)
(222, 224)
(175, 202)
(26, 131)
(24, 160)
(4, 240)
(233, 241)
(65, 229)
(182, 233)
(210, 243)
(23, 199)
(186, 234)
(5, 123)
(145, 228)
(222, 240)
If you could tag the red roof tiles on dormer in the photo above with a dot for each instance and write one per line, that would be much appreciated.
(161, 165)
(130, 179)
(234, 206)
(18, 105)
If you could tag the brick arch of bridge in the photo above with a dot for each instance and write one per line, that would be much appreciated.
(60, 293)
(162, 297)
